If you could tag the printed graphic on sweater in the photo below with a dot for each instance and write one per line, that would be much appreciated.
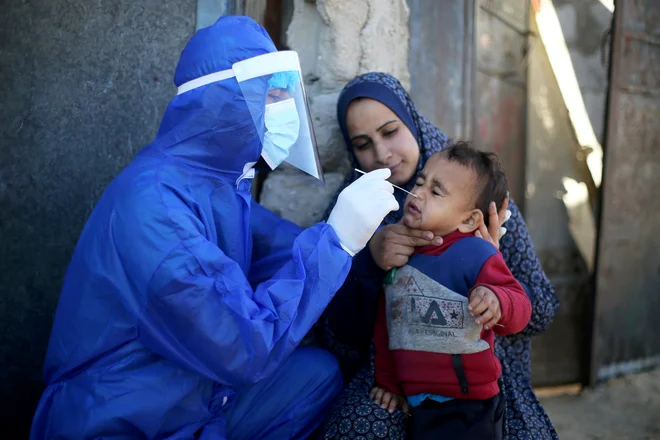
(424, 315)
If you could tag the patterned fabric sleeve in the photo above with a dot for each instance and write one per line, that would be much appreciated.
(347, 324)
(518, 251)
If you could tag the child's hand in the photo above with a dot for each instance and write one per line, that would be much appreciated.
(389, 401)
(485, 305)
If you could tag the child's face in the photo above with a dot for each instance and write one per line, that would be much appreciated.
(445, 202)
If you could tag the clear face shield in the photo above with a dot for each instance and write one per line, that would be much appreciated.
(281, 108)
(274, 92)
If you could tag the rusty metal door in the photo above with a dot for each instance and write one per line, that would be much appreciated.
(441, 63)
(468, 74)
(628, 262)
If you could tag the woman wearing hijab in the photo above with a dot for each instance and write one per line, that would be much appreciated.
(383, 129)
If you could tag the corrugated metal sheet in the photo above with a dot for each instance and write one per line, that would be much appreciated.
(628, 266)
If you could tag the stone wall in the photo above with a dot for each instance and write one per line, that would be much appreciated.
(336, 40)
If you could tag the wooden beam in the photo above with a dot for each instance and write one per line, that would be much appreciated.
(255, 9)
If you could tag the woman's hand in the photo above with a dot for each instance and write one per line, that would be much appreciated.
(494, 231)
(389, 401)
(392, 245)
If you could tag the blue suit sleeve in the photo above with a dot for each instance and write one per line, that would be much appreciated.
(202, 313)
(518, 252)
(272, 243)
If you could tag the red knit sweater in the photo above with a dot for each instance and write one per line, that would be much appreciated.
(406, 371)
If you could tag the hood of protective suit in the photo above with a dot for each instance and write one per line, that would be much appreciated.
(211, 127)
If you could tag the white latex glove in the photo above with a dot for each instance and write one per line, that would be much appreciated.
(360, 209)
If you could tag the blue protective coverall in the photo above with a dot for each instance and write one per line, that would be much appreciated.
(183, 293)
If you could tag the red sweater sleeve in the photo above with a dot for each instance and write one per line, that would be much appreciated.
(514, 303)
(385, 370)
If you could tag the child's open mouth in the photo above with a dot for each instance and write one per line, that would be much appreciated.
(413, 208)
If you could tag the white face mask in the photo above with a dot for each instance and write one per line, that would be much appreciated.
(283, 125)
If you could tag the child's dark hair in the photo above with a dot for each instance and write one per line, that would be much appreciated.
(491, 185)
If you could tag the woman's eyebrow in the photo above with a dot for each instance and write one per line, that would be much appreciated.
(358, 136)
(378, 129)
(388, 122)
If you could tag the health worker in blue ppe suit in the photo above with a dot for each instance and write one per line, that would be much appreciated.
(185, 301)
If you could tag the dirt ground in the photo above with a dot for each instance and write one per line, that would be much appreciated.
(624, 408)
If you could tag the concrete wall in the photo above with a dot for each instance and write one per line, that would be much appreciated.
(83, 86)
(336, 40)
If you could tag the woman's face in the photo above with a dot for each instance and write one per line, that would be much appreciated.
(381, 140)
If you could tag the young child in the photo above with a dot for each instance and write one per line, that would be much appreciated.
(436, 323)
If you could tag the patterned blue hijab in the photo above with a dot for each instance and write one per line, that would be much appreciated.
(388, 90)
